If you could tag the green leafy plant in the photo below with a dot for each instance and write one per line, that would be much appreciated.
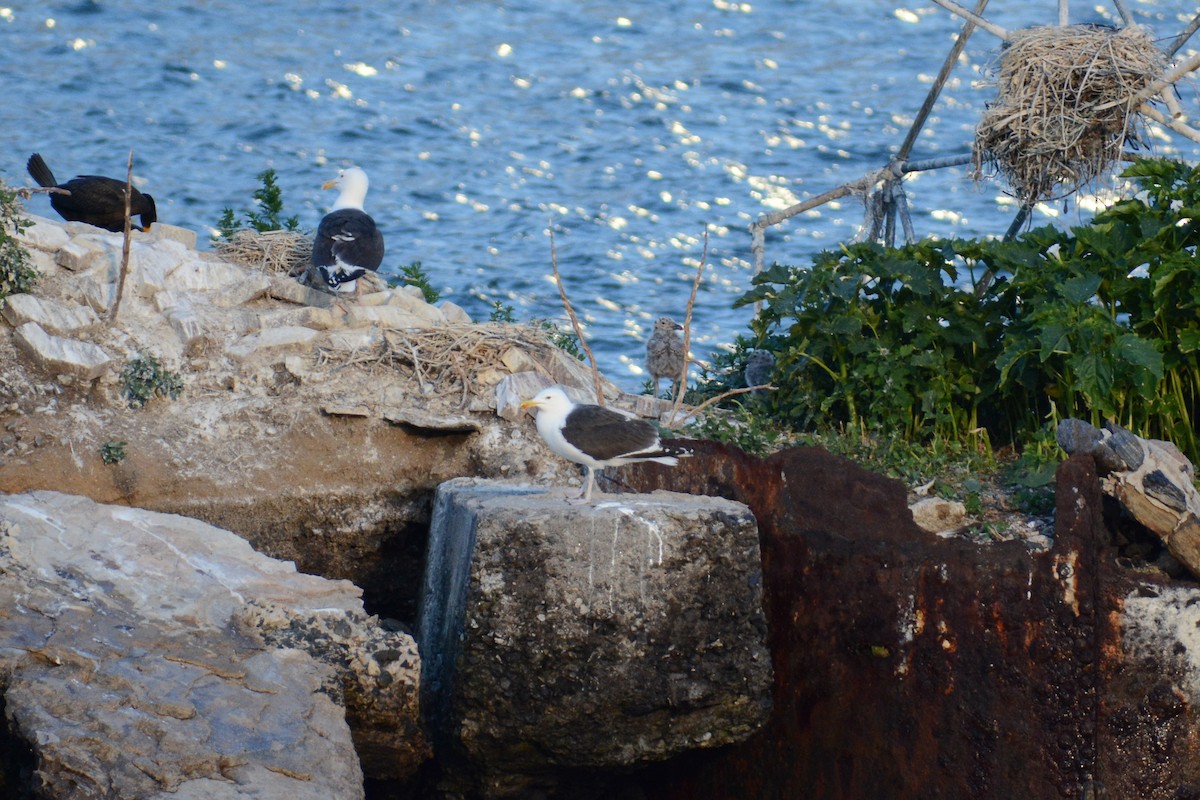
(16, 272)
(113, 452)
(938, 340)
(414, 274)
(144, 378)
(267, 214)
(562, 338)
(501, 312)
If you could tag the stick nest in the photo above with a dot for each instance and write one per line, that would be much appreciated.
(1047, 133)
(456, 359)
(287, 252)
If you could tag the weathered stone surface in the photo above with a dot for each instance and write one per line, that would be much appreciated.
(292, 291)
(200, 275)
(122, 671)
(454, 313)
(54, 317)
(938, 515)
(80, 254)
(56, 354)
(185, 236)
(385, 316)
(255, 285)
(319, 319)
(291, 338)
(606, 635)
(44, 234)
(515, 388)
(1151, 478)
(152, 264)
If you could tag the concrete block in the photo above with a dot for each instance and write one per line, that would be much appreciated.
(610, 634)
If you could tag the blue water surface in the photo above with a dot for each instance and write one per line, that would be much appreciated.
(630, 128)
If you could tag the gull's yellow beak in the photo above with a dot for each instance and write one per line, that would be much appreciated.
(329, 184)
(527, 404)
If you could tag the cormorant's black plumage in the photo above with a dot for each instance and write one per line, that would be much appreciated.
(94, 199)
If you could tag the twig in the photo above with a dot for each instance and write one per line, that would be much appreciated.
(562, 291)
(1123, 10)
(1064, 14)
(1155, 87)
(990, 27)
(673, 424)
(905, 220)
(125, 245)
(935, 163)
(26, 192)
(681, 389)
(947, 66)
(1174, 124)
(1182, 38)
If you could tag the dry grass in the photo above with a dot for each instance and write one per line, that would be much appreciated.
(286, 252)
(1044, 133)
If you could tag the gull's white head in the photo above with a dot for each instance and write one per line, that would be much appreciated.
(352, 185)
(553, 399)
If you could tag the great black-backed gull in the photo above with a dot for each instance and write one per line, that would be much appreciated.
(594, 436)
(94, 199)
(664, 353)
(348, 243)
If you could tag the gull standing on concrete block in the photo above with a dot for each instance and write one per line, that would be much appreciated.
(664, 353)
(595, 436)
(348, 244)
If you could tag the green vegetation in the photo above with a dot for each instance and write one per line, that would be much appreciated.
(560, 338)
(267, 214)
(952, 348)
(16, 273)
(415, 275)
(113, 452)
(144, 378)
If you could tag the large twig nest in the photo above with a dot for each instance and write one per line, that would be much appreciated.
(1047, 133)
(288, 252)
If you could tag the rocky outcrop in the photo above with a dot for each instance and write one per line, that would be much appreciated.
(1151, 479)
(556, 636)
(141, 656)
(317, 431)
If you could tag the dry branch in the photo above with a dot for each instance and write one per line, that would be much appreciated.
(562, 291)
(125, 244)
(970, 16)
(681, 385)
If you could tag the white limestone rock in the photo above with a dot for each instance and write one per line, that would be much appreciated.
(80, 254)
(59, 355)
(319, 319)
(164, 232)
(938, 515)
(201, 275)
(43, 234)
(354, 340)
(283, 341)
(454, 313)
(385, 316)
(255, 285)
(515, 388)
(54, 316)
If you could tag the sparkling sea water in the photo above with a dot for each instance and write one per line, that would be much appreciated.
(631, 128)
